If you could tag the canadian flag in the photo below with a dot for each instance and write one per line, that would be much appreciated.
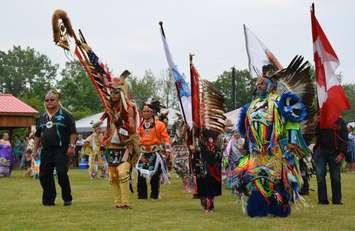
(331, 97)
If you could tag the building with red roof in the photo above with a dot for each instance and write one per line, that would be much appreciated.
(14, 113)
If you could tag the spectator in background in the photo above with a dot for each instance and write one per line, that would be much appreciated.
(231, 156)
(350, 154)
(28, 162)
(7, 160)
(18, 150)
(28, 144)
(93, 149)
(330, 150)
(78, 146)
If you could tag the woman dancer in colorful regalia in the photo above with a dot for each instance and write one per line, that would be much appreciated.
(7, 160)
(269, 178)
(155, 147)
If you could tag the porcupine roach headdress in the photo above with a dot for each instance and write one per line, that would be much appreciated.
(207, 103)
(63, 36)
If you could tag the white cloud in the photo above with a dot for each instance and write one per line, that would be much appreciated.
(126, 33)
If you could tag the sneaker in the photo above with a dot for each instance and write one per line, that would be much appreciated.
(49, 204)
(323, 202)
(123, 207)
(67, 203)
(337, 203)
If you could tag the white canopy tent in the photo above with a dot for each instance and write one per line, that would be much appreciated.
(84, 125)
(233, 116)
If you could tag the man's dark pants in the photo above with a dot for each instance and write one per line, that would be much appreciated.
(54, 157)
(322, 158)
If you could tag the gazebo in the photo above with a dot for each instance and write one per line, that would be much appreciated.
(15, 114)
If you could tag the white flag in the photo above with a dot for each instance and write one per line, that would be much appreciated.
(258, 54)
(183, 89)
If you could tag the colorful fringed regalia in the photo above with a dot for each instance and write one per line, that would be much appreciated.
(154, 141)
(268, 178)
(233, 152)
(120, 141)
(155, 147)
(92, 147)
(181, 158)
(35, 168)
(7, 160)
(209, 122)
(121, 145)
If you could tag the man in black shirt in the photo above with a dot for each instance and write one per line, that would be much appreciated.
(330, 149)
(56, 134)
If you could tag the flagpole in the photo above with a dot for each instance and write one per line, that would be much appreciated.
(177, 88)
(234, 89)
(193, 133)
(192, 91)
(195, 129)
(246, 47)
(162, 29)
(315, 71)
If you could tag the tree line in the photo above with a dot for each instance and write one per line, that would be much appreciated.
(28, 75)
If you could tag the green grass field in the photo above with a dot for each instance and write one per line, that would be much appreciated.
(92, 209)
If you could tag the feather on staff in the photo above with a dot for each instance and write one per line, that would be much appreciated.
(207, 103)
(97, 72)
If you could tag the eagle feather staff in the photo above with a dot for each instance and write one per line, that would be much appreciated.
(207, 103)
(98, 73)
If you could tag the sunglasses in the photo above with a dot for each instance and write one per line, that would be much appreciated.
(116, 92)
(49, 100)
